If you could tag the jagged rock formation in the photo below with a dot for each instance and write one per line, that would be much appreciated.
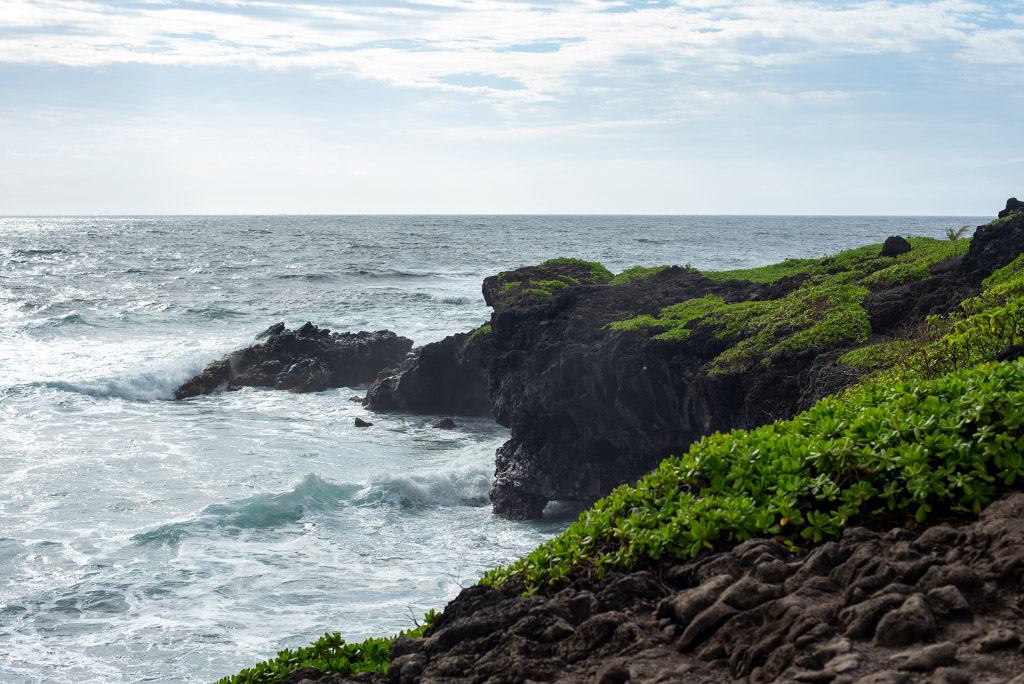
(591, 407)
(941, 605)
(441, 377)
(309, 359)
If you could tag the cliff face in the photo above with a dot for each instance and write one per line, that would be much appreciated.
(599, 382)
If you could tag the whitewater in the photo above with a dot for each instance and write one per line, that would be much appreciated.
(149, 540)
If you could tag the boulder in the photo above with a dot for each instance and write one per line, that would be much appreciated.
(440, 377)
(894, 246)
(309, 359)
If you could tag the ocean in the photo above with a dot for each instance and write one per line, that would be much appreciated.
(149, 540)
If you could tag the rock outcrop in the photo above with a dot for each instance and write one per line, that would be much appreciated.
(591, 407)
(309, 359)
(442, 377)
(940, 605)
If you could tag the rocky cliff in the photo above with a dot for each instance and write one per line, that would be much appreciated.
(600, 379)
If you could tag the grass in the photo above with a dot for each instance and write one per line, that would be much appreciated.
(635, 273)
(825, 309)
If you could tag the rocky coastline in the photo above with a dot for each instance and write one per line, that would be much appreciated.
(942, 605)
(599, 378)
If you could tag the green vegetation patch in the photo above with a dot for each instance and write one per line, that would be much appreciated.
(484, 329)
(545, 287)
(635, 273)
(983, 327)
(329, 654)
(767, 274)
(865, 260)
(598, 272)
(825, 309)
(905, 450)
(828, 312)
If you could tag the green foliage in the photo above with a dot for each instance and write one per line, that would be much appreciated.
(983, 327)
(329, 654)
(512, 289)
(766, 274)
(903, 449)
(813, 314)
(484, 329)
(597, 271)
(955, 234)
(636, 273)
(825, 309)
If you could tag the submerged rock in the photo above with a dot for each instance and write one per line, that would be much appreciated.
(309, 359)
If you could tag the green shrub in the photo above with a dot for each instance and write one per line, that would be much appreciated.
(955, 234)
(329, 654)
(904, 450)
(981, 328)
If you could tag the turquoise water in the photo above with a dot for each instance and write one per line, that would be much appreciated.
(143, 539)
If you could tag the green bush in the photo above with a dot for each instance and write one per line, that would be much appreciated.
(903, 450)
(329, 654)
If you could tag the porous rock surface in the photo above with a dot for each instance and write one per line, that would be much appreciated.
(308, 359)
(942, 605)
(591, 408)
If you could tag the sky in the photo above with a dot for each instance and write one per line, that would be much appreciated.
(510, 106)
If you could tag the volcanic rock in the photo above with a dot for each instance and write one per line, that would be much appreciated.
(1012, 205)
(309, 359)
(591, 407)
(440, 377)
(641, 627)
(894, 246)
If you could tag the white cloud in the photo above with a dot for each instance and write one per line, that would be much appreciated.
(419, 45)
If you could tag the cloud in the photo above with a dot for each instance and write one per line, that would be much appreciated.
(577, 44)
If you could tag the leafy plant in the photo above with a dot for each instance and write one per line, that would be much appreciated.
(329, 654)
(906, 450)
(955, 234)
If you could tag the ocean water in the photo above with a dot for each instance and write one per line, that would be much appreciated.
(148, 540)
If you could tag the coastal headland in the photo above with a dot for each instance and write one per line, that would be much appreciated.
(793, 461)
